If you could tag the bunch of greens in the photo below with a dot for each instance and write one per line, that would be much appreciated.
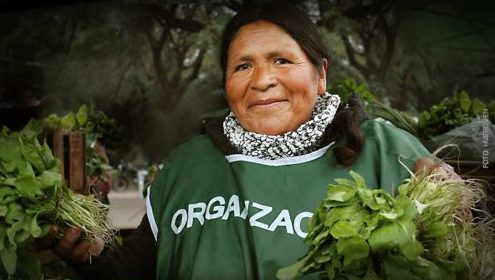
(425, 232)
(452, 112)
(32, 198)
(97, 127)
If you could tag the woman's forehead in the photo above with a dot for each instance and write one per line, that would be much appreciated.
(261, 36)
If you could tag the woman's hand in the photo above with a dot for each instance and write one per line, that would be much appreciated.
(69, 248)
(429, 166)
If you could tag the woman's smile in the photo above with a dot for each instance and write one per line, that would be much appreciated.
(267, 104)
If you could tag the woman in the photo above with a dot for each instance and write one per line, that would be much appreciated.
(233, 204)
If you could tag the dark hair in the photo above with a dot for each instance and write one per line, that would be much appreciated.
(286, 16)
(297, 24)
(347, 125)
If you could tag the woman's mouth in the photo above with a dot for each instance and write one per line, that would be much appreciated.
(266, 104)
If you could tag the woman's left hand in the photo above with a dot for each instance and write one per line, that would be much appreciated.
(441, 168)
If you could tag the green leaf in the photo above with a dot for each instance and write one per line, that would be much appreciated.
(6, 192)
(397, 267)
(435, 230)
(384, 237)
(358, 179)
(9, 259)
(406, 206)
(3, 235)
(293, 271)
(14, 213)
(340, 193)
(32, 155)
(11, 151)
(68, 122)
(28, 186)
(336, 214)
(34, 228)
(374, 199)
(389, 215)
(49, 179)
(352, 249)
(82, 115)
(406, 239)
(19, 232)
(53, 122)
(464, 101)
(321, 237)
(3, 210)
(477, 107)
(342, 229)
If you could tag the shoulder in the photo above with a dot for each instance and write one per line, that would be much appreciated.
(196, 149)
(392, 139)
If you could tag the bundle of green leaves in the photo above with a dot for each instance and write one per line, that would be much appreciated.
(425, 232)
(32, 198)
(96, 125)
(452, 112)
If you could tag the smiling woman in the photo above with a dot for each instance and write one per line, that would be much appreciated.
(271, 84)
(234, 203)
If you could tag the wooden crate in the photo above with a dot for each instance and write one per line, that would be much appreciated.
(70, 149)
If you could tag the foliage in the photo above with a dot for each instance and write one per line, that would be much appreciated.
(400, 119)
(347, 87)
(451, 112)
(96, 125)
(32, 198)
(359, 233)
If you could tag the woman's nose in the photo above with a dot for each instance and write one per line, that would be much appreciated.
(263, 78)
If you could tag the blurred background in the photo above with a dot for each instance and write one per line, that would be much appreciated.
(152, 65)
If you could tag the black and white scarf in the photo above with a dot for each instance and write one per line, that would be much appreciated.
(305, 139)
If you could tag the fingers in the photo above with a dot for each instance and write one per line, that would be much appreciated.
(446, 172)
(69, 247)
(429, 166)
(425, 164)
(80, 253)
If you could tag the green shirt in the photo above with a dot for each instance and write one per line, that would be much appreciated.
(238, 217)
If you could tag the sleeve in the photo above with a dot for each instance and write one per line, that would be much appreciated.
(135, 259)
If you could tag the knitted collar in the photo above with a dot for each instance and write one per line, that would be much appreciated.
(305, 139)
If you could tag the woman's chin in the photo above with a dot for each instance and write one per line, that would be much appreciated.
(271, 128)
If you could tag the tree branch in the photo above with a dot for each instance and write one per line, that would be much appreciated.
(195, 67)
(168, 16)
(390, 33)
(352, 58)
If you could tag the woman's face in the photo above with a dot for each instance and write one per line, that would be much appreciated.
(270, 82)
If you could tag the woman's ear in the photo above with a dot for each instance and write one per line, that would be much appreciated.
(322, 77)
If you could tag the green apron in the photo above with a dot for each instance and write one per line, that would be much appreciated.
(237, 217)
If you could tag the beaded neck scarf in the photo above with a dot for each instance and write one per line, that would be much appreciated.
(305, 139)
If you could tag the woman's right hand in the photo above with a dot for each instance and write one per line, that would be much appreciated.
(69, 248)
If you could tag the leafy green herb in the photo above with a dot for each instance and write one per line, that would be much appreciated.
(32, 198)
(359, 233)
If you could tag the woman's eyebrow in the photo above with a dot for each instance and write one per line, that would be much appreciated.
(268, 55)
(238, 59)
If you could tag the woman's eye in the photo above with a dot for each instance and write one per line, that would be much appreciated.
(280, 60)
(241, 67)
